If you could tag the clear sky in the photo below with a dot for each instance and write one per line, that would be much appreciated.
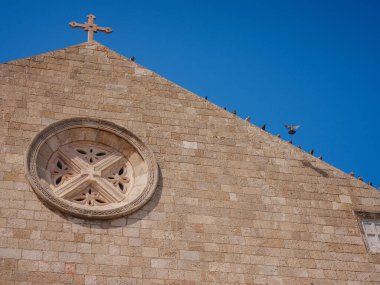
(315, 63)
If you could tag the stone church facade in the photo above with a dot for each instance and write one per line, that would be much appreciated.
(111, 174)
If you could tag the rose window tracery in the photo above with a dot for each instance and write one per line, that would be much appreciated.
(120, 179)
(60, 172)
(91, 168)
(91, 154)
(94, 175)
(90, 197)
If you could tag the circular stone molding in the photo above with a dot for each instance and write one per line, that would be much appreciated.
(91, 168)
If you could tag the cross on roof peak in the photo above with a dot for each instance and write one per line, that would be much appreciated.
(90, 27)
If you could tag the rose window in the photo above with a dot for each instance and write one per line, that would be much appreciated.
(91, 168)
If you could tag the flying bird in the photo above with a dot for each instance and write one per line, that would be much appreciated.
(292, 129)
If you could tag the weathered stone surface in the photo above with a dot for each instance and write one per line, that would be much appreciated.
(235, 205)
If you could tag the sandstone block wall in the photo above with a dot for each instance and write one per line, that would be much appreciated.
(234, 205)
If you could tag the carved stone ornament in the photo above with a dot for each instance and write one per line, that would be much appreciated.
(91, 168)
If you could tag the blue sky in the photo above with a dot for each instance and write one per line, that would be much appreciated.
(315, 63)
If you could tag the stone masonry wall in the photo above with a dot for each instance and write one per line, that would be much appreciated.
(235, 205)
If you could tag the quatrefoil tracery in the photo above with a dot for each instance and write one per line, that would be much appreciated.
(119, 178)
(61, 172)
(90, 197)
(91, 154)
(89, 175)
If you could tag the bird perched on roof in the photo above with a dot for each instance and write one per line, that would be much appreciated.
(360, 178)
(263, 127)
(321, 157)
(278, 135)
(292, 129)
(234, 112)
(351, 173)
(206, 98)
(133, 58)
(248, 119)
(311, 152)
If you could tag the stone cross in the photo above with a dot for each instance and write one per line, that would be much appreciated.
(90, 27)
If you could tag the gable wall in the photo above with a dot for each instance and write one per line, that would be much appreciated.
(235, 205)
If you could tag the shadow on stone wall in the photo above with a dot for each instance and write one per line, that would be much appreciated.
(316, 169)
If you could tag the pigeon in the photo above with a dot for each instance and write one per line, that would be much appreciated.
(133, 58)
(292, 129)
(263, 127)
(312, 152)
(248, 119)
(278, 135)
(351, 173)
(300, 147)
(234, 112)
(321, 157)
(370, 183)
(224, 108)
(360, 178)
(206, 98)
(291, 142)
